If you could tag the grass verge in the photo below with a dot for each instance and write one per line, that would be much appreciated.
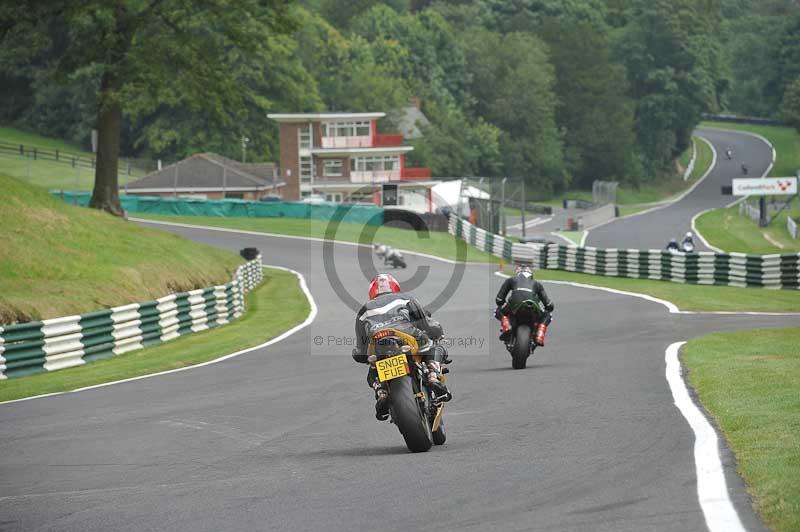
(274, 307)
(435, 243)
(691, 297)
(749, 381)
(60, 260)
(785, 140)
(573, 236)
(727, 229)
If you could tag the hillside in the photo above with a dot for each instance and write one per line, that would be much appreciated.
(59, 260)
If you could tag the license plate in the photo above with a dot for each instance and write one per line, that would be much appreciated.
(391, 368)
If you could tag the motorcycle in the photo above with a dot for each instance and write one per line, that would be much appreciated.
(520, 342)
(413, 405)
(687, 247)
(380, 250)
(396, 259)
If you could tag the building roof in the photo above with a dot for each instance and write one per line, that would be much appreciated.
(209, 171)
(411, 121)
(308, 117)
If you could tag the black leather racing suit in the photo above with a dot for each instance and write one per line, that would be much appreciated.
(400, 311)
(522, 287)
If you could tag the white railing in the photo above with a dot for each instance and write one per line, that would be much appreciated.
(347, 142)
(791, 225)
(374, 176)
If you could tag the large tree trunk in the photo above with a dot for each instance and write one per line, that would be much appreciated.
(105, 195)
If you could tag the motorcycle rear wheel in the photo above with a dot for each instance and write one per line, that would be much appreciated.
(522, 347)
(408, 416)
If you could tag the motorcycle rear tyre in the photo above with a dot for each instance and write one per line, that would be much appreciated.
(522, 347)
(407, 415)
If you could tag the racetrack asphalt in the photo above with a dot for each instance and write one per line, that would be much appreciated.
(284, 438)
(652, 230)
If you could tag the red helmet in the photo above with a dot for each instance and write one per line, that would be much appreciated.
(383, 283)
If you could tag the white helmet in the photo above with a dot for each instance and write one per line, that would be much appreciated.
(689, 234)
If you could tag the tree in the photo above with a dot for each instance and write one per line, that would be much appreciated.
(346, 70)
(512, 87)
(674, 68)
(595, 109)
(453, 145)
(790, 108)
(432, 61)
(139, 49)
(340, 14)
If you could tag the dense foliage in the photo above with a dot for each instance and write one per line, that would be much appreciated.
(560, 92)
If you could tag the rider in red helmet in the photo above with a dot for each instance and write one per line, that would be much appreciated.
(389, 306)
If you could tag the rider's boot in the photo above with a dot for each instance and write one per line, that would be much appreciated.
(435, 381)
(541, 330)
(381, 401)
(505, 328)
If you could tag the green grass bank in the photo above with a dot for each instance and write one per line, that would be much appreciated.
(728, 230)
(749, 382)
(277, 305)
(61, 260)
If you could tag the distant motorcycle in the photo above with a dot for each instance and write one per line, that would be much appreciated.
(395, 259)
(687, 246)
(744, 169)
(673, 248)
(380, 250)
(729, 154)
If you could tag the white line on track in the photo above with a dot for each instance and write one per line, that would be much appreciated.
(311, 316)
(532, 223)
(712, 490)
(309, 238)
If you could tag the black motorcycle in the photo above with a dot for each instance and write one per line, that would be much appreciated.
(395, 259)
(519, 340)
(413, 404)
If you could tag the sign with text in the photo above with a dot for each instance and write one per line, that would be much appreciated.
(771, 186)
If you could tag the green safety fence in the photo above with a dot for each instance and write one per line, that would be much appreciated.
(725, 269)
(235, 208)
(58, 343)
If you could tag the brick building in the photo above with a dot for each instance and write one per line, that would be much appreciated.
(342, 157)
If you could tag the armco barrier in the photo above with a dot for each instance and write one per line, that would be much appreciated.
(363, 214)
(727, 269)
(58, 343)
